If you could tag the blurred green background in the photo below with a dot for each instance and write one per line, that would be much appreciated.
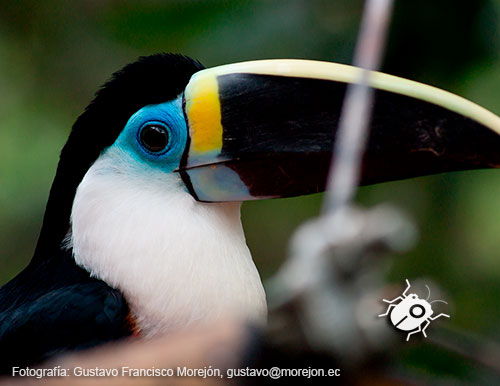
(55, 54)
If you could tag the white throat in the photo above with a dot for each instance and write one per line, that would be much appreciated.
(177, 261)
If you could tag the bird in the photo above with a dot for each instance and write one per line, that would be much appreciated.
(142, 233)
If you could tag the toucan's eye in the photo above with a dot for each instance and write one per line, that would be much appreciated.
(154, 137)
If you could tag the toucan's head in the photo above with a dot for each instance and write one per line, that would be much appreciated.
(262, 129)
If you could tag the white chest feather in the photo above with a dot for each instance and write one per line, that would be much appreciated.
(177, 261)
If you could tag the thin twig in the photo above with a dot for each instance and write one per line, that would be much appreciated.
(352, 133)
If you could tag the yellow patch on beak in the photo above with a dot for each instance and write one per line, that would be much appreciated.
(203, 113)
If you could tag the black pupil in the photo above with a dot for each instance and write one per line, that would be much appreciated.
(154, 138)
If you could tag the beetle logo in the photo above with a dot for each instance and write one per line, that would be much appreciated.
(411, 313)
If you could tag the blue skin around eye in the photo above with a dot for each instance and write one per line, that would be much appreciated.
(168, 115)
(210, 184)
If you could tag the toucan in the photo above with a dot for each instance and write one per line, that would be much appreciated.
(142, 233)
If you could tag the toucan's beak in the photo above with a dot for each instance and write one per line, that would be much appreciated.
(265, 129)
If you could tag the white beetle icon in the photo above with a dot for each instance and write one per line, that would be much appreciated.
(411, 313)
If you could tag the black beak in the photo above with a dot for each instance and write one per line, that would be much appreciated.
(265, 129)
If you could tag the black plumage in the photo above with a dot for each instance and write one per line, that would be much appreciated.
(54, 305)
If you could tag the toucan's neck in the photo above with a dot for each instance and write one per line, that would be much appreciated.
(177, 261)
